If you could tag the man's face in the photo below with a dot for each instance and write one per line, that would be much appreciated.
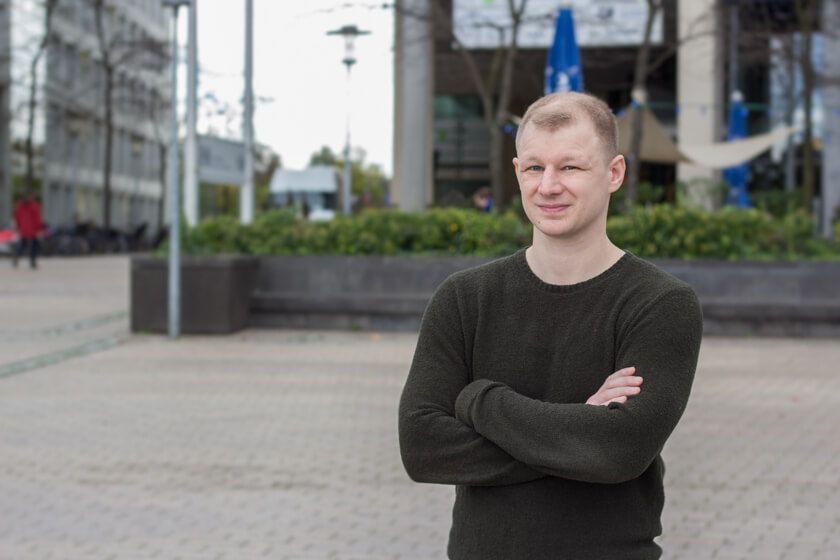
(566, 179)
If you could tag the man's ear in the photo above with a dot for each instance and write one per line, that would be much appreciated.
(617, 169)
(515, 162)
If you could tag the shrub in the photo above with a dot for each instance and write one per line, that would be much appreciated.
(381, 232)
(687, 233)
(778, 203)
(662, 231)
(649, 194)
(220, 235)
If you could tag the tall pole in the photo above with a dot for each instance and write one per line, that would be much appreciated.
(190, 148)
(413, 108)
(246, 195)
(174, 291)
(831, 125)
(347, 182)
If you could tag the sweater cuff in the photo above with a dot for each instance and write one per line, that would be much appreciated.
(468, 395)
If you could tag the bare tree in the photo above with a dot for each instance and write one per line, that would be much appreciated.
(116, 49)
(644, 68)
(494, 88)
(806, 14)
(5, 119)
(156, 110)
(108, 67)
(799, 77)
(49, 10)
(768, 28)
(640, 97)
(783, 53)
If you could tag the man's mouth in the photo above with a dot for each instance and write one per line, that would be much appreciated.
(553, 208)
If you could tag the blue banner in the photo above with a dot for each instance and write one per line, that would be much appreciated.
(736, 177)
(563, 71)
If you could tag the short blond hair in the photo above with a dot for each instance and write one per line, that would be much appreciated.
(557, 110)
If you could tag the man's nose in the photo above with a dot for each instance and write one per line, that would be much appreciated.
(552, 182)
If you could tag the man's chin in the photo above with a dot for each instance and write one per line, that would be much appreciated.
(555, 229)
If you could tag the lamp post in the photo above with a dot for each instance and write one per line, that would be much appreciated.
(246, 193)
(349, 32)
(191, 188)
(174, 291)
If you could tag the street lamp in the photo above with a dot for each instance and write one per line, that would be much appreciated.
(246, 193)
(349, 32)
(174, 291)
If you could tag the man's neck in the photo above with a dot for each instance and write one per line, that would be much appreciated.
(564, 262)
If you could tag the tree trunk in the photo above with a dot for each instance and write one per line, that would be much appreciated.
(162, 176)
(502, 112)
(497, 183)
(640, 99)
(790, 108)
(33, 93)
(108, 67)
(632, 187)
(806, 24)
(30, 122)
(109, 148)
(494, 113)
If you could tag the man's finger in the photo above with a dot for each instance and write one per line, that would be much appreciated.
(618, 392)
(623, 381)
(623, 371)
(617, 399)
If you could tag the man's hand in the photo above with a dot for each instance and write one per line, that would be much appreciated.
(617, 388)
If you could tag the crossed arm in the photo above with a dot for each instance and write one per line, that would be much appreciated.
(453, 431)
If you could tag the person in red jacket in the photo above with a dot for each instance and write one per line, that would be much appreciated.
(29, 225)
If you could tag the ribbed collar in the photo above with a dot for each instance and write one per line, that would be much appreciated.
(523, 269)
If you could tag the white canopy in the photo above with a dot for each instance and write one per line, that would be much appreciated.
(729, 154)
(658, 147)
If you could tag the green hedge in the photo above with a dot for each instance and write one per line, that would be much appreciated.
(675, 232)
(661, 231)
(373, 232)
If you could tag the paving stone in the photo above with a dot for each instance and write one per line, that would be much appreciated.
(282, 444)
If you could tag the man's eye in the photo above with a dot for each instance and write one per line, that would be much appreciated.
(534, 168)
(570, 167)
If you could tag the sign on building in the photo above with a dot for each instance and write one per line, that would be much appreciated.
(220, 161)
(598, 23)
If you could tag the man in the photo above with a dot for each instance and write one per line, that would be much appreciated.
(483, 199)
(510, 395)
(29, 225)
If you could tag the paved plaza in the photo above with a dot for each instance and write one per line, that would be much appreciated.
(282, 444)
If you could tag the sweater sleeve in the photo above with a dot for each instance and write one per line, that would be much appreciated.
(606, 444)
(435, 446)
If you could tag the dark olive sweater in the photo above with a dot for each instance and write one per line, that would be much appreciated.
(494, 404)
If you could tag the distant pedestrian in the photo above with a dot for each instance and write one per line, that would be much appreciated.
(29, 225)
(483, 199)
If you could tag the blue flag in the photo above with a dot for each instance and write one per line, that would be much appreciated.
(562, 68)
(736, 177)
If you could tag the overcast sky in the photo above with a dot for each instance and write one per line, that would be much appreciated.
(299, 80)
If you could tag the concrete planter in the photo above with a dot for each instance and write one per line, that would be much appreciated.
(390, 293)
(764, 298)
(215, 293)
(349, 292)
(224, 294)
